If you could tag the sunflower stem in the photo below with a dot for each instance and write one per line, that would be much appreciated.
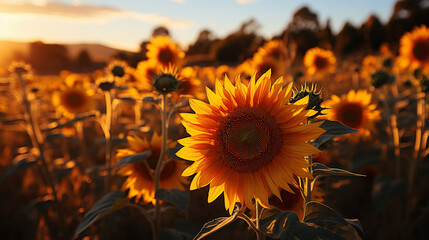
(159, 163)
(37, 141)
(257, 214)
(107, 134)
(308, 182)
(147, 216)
(259, 234)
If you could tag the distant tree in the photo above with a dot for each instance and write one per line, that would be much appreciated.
(203, 43)
(160, 31)
(237, 46)
(303, 29)
(373, 33)
(48, 58)
(325, 36)
(406, 15)
(83, 61)
(348, 39)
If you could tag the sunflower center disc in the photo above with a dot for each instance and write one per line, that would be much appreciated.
(320, 62)
(74, 99)
(421, 50)
(351, 114)
(248, 139)
(165, 55)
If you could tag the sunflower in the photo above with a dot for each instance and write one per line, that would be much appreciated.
(72, 100)
(145, 72)
(274, 49)
(319, 61)
(140, 181)
(164, 52)
(414, 49)
(189, 84)
(261, 64)
(119, 71)
(354, 110)
(248, 141)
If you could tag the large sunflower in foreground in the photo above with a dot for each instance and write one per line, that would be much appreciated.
(140, 182)
(354, 110)
(414, 49)
(164, 52)
(319, 61)
(248, 142)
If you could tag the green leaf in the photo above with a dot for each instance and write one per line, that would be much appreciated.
(76, 119)
(18, 166)
(385, 190)
(286, 225)
(177, 197)
(102, 206)
(335, 128)
(172, 234)
(320, 169)
(134, 158)
(320, 222)
(41, 204)
(215, 225)
(326, 218)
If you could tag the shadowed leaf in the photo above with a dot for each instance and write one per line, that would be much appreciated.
(215, 225)
(320, 169)
(177, 197)
(105, 204)
(335, 128)
(385, 190)
(134, 158)
(16, 167)
(286, 225)
(172, 234)
(76, 119)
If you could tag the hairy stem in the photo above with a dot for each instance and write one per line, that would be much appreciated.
(107, 134)
(37, 140)
(159, 163)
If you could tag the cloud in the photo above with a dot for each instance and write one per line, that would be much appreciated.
(245, 1)
(88, 12)
(178, 1)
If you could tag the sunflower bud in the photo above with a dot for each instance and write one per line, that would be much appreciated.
(165, 83)
(107, 85)
(380, 78)
(315, 98)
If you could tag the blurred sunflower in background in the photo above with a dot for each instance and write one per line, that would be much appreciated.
(262, 63)
(248, 141)
(190, 84)
(319, 61)
(274, 49)
(145, 72)
(414, 49)
(139, 180)
(354, 110)
(72, 100)
(119, 71)
(164, 52)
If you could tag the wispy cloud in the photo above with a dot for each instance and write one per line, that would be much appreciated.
(178, 1)
(87, 12)
(245, 1)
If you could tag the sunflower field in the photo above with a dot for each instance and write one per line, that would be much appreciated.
(308, 135)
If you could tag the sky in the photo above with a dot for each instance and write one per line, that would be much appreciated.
(125, 24)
